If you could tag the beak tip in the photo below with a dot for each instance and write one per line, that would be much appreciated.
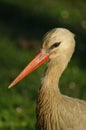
(10, 86)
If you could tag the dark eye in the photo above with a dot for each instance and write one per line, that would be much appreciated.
(55, 45)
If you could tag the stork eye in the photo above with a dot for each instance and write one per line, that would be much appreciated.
(55, 45)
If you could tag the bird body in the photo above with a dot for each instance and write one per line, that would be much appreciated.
(54, 110)
(59, 112)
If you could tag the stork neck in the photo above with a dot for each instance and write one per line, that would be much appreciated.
(49, 94)
(53, 73)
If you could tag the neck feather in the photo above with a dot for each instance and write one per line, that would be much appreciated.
(49, 95)
(53, 73)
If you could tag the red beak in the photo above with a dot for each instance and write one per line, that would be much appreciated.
(34, 64)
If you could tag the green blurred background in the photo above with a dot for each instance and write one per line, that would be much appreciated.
(22, 26)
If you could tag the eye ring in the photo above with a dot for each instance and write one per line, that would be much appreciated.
(55, 45)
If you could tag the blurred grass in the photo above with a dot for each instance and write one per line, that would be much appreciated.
(17, 105)
(65, 11)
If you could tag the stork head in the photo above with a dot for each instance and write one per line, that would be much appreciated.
(58, 44)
